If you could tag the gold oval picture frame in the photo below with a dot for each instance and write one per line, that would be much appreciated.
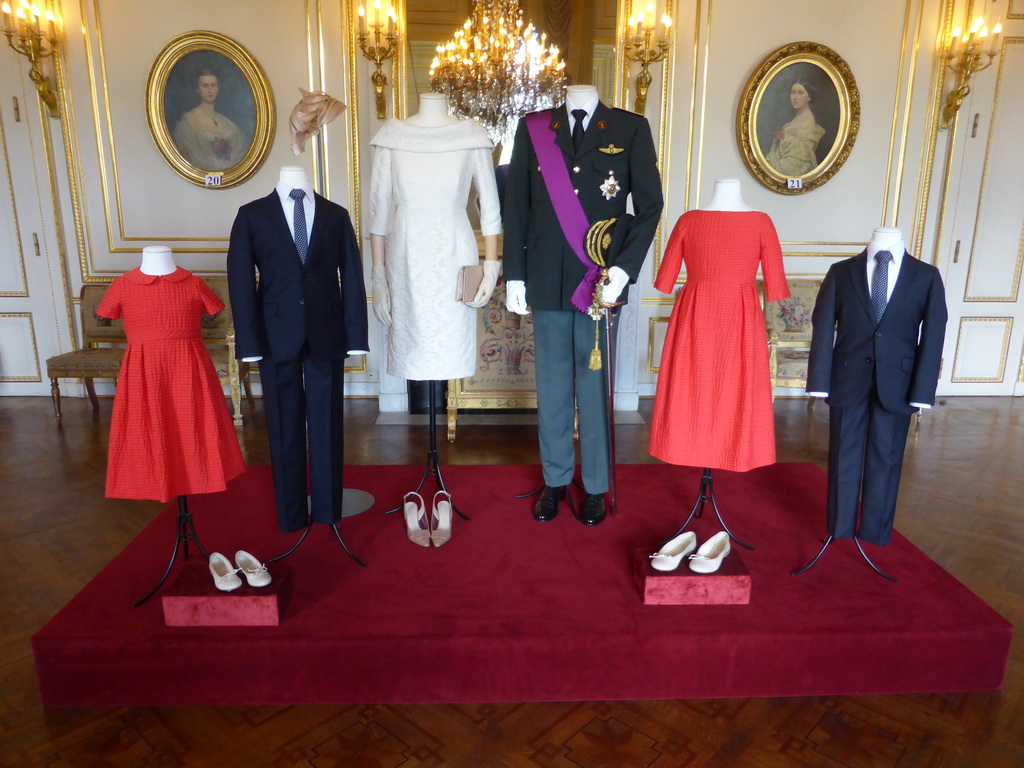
(210, 109)
(798, 118)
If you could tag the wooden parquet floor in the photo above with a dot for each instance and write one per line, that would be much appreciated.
(961, 502)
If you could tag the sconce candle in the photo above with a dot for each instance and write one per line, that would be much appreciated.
(639, 46)
(25, 36)
(964, 57)
(383, 47)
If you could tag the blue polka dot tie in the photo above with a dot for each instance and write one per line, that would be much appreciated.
(299, 220)
(880, 284)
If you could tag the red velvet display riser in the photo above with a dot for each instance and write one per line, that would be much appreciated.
(729, 585)
(192, 600)
(514, 610)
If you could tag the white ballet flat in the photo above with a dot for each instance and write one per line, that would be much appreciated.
(711, 553)
(255, 572)
(673, 551)
(225, 578)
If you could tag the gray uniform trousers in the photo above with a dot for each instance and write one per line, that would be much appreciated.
(563, 341)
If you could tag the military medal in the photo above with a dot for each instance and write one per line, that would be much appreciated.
(610, 188)
(611, 149)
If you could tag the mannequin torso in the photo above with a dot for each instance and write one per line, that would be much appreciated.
(293, 176)
(726, 197)
(433, 112)
(886, 239)
(157, 260)
(579, 96)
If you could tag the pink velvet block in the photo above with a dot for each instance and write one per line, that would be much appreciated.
(729, 585)
(192, 600)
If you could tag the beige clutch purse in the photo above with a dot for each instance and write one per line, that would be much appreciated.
(469, 282)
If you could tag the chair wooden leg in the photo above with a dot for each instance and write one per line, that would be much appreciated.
(92, 394)
(55, 394)
(235, 388)
(248, 391)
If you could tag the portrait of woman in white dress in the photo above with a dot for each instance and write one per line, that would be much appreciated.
(206, 138)
(794, 147)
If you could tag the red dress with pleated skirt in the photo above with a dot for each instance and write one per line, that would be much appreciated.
(713, 406)
(171, 433)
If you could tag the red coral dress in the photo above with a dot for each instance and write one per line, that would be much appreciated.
(171, 433)
(713, 406)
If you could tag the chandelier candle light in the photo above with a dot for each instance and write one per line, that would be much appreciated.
(23, 26)
(378, 52)
(495, 69)
(641, 48)
(964, 56)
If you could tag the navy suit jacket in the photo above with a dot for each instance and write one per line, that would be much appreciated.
(900, 354)
(535, 249)
(322, 302)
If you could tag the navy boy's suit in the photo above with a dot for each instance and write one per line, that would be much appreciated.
(303, 319)
(872, 372)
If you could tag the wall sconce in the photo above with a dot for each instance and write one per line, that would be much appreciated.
(964, 56)
(378, 53)
(641, 48)
(25, 34)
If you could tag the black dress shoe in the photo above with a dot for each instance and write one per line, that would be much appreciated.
(546, 507)
(593, 509)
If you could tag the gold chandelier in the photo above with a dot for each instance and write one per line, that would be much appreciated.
(494, 70)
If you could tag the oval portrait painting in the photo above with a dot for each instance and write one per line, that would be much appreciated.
(798, 118)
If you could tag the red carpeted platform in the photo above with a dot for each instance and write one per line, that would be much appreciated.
(513, 610)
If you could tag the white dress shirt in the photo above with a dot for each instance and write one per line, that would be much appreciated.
(590, 106)
(308, 206)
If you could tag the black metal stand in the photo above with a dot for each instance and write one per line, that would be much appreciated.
(863, 554)
(186, 531)
(305, 533)
(704, 495)
(432, 467)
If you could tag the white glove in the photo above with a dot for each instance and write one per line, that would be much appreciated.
(381, 297)
(483, 293)
(515, 297)
(617, 280)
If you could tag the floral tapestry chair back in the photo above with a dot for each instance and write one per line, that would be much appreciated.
(789, 333)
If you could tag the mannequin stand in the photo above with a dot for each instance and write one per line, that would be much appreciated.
(305, 533)
(863, 554)
(186, 531)
(432, 467)
(704, 495)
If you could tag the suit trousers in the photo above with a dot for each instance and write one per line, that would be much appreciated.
(563, 341)
(304, 400)
(865, 460)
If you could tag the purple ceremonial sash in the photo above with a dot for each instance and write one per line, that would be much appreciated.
(566, 203)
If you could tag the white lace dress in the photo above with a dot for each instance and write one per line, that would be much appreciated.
(419, 192)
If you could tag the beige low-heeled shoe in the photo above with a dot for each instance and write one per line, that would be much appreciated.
(441, 518)
(416, 519)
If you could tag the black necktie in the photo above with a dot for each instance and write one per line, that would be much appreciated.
(880, 284)
(577, 129)
(299, 220)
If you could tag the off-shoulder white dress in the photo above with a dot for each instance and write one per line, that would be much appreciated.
(419, 192)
